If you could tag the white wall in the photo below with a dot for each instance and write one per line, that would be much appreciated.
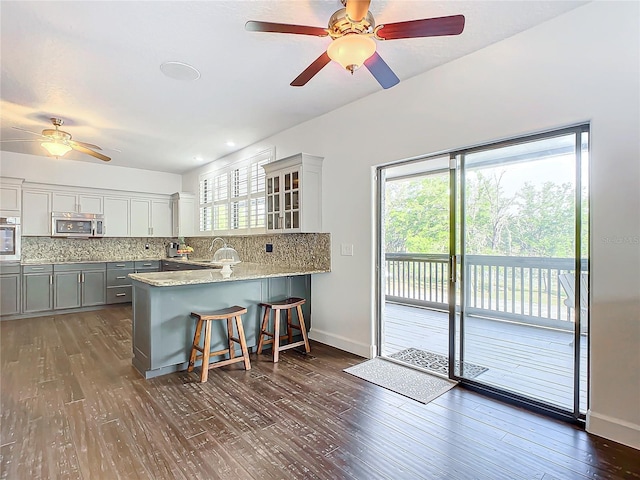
(86, 174)
(582, 66)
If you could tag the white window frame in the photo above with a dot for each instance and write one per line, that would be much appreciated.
(224, 191)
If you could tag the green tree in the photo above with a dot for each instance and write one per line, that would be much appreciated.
(545, 223)
(535, 221)
(489, 213)
(417, 215)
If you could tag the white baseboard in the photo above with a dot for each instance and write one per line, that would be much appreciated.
(614, 429)
(367, 351)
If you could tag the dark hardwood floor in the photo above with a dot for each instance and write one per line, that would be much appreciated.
(73, 407)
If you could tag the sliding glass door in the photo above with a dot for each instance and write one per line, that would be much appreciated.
(498, 237)
(415, 253)
(522, 273)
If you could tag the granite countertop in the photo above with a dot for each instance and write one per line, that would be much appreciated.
(202, 262)
(241, 271)
(67, 262)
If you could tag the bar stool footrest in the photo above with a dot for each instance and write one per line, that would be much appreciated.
(291, 345)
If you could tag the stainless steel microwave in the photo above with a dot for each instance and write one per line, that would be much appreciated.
(78, 225)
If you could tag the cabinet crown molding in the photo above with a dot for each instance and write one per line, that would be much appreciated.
(292, 161)
(50, 187)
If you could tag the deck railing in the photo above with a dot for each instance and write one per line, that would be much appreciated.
(522, 289)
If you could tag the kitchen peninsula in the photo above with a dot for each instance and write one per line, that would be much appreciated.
(162, 302)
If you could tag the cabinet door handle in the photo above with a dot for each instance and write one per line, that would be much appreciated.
(146, 264)
(120, 265)
(50, 279)
(79, 281)
(121, 294)
(121, 278)
(37, 268)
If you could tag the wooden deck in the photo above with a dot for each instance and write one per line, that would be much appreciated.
(531, 361)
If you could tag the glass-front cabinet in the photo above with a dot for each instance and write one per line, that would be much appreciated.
(294, 194)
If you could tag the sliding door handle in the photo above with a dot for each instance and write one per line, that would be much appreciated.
(453, 268)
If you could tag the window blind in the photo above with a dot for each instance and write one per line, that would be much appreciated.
(232, 198)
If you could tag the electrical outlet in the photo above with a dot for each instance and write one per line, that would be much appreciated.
(269, 247)
(346, 249)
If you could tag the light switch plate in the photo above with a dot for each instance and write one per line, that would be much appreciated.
(346, 249)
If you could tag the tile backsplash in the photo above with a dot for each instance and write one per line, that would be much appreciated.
(51, 250)
(291, 249)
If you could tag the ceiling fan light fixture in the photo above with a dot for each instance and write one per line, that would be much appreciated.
(56, 149)
(351, 50)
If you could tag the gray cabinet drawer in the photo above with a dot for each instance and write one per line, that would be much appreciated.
(120, 265)
(147, 265)
(118, 278)
(10, 268)
(37, 268)
(169, 266)
(75, 267)
(119, 295)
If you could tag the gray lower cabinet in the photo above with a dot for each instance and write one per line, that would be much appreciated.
(169, 266)
(163, 328)
(79, 285)
(9, 289)
(144, 266)
(118, 281)
(37, 288)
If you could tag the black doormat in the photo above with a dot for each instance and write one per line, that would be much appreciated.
(436, 362)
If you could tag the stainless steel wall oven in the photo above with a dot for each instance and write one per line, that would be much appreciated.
(9, 238)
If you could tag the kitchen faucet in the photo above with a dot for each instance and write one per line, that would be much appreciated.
(224, 244)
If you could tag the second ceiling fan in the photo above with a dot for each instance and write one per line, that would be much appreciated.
(353, 31)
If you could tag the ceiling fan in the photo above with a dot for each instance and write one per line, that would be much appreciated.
(352, 30)
(58, 142)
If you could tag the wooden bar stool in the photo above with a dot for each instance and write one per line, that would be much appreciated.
(275, 337)
(229, 314)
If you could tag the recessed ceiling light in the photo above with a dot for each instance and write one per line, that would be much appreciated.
(231, 144)
(180, 71)
(198, 158)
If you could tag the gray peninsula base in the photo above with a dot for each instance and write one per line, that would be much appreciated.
(163, 327)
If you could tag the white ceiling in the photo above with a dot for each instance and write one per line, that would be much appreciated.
(97, 65)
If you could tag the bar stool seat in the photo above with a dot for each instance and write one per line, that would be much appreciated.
(231, 315)
(274, 337)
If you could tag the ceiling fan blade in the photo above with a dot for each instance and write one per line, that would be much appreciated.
(87, 145)
(357, 9)
(427, 27)
(317, 65)
(80, 148)
(381, 71)
(253, 26)
(29, 131)
(19, 140)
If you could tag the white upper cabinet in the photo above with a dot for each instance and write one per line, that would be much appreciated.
(140, 217)
(183, 211)
(150, 217)
(77, 203)
(126, 214)
(116, 215)
(36, 213)
(161, 218)
(10, 197)
(294, 194)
